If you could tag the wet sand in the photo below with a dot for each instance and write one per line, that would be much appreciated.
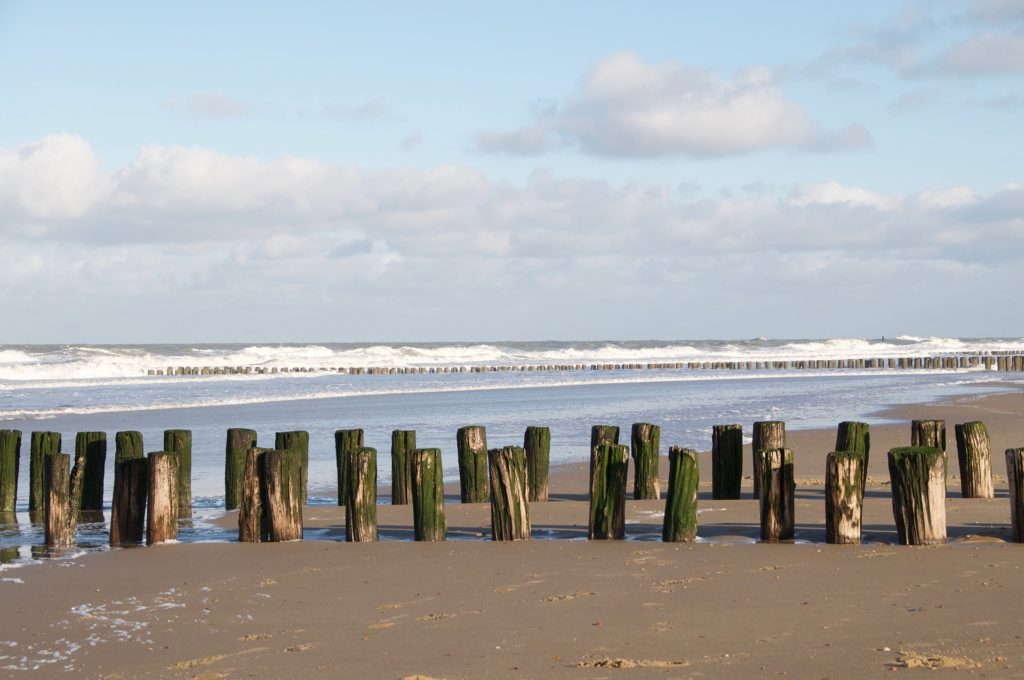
(723, 608)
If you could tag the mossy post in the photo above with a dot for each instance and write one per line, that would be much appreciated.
(844, 496)
(93, 446)
(345, 442)
(298, 441)
(403, 442)
(361, 506)
(537, 444)
(252, 515)
(180, 443)
(472, 441)
(131, 487)
(608, 493)
(282, 480)
(10, 461)
(42, 444)
(726, 461)
(778, 492)
(1015, 479)
(646, 444)
(239, 441)
(918, 477)
(929, 433)
(856, 437)
(510, 507)
(428, 496)
(974, 452)
(767, 434)
(162, 509)
(61, 521)
(601, 435)
(680, 525)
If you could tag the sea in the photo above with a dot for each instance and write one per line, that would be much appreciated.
(72, 388)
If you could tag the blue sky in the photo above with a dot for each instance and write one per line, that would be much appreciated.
(268, 172)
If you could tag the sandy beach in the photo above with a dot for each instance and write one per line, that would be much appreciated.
(726, 607)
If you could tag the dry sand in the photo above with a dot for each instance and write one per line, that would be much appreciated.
(725, 608)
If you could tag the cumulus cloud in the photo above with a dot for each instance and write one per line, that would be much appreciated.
(629, 107)
(56, 177)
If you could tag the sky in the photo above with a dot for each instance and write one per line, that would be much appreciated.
(390, 171)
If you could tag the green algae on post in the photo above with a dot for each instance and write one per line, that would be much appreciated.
(472, 444)
(361, 504)
(537, 443)
(403, 442)
(680, 524)
(726, 461)
(844, 496)
(646, 444)
(918, 477)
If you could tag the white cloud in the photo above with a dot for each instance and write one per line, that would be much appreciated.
(57, 177)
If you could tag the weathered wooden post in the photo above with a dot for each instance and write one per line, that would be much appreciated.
(855, 436)
(778, 492)
(974, 452)
(1015, 481)
(63, 498)
(345, 441)
(361, 505)
(403, 442)
(10, 461)
(298, 441)
(162, 510)
(131, 488)
(180, 443)
(240, 440)
(42, 445)
(282, 480)
(608, 493)
(252, 514)
(768, 434)
(680, 525)
(600, 435)
(537, 443)
(428, 496)
(646, 440)
(472, 441)
(918, 476)
(510, 509)
(93, 446)
(844, 496)
(928, 433)
(726, 461)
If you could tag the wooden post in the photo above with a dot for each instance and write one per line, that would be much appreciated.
(240, 440)
(726, 461)
(428, 496)
(403, 442)
(778, 491)
(928, 433)
(10, 461)
(510, 509)
(646, 440)
(1015, 480)
(180, 442)
(93, 446)
(918, 476)
(680, 525)
(252, 516)
(128, 507)
(297, 440)
(42, 444)
(282, 480)
(844, 496)
(855, 436)
(768, 434)
(472, 441)
(61, 519)
(537, 444)
(162, 510)
(974, 451)
(361, 504)
(345, 442)
(601, 435)
(608, 493)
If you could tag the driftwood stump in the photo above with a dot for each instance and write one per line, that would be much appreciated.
(510, 509)
(680, 525)
(298, 441)
(162, 509)
(361, 505)
(403, 443)
(42, 445)
(974, 453)
(93, 446)
(600, 435)
(10, 461)
(778, 492)
(282, 479)
(537, 443)
(726, 461)
(608, 493)
(918, 476)
(472, 441)
(253, 526)
(767, 434)
(428, 496)
(239, 441)
(1015, 480)
(844, 496)
(345, 442)
(180, 442)
(646, 440)
(855, 436)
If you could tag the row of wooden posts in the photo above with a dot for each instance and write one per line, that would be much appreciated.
(1000, 361)
(269, 486)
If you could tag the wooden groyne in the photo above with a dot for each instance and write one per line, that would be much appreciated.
(1010, 361)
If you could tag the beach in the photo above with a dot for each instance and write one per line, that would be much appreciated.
(725, 607)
